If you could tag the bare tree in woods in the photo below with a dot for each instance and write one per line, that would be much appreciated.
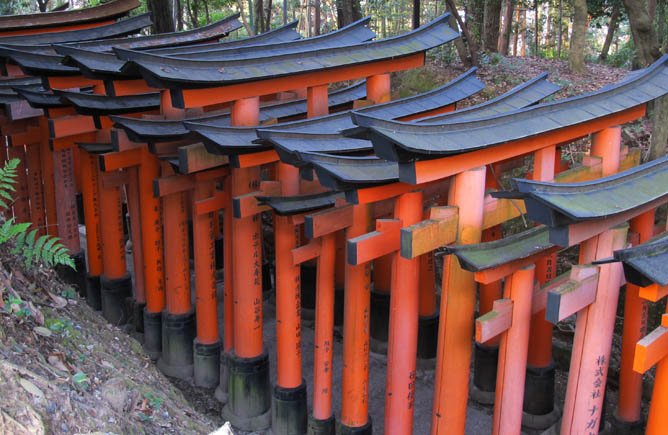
(561, 28)
(348, 11)
(612, 27)
(576, 53)
(179, 14)
(490, 27)
(43, 5)
(161, 14)
(647, 51)
(472, 59)
(504, 35)
(258, 14)
(459, 43)
(244, 20)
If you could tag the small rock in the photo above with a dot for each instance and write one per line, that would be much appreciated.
(115, 391)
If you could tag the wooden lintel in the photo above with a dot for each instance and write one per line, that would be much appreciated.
(74, 125)
(246, 205)
(539, 301)
(118, 160)
(121, 142)
(30, 136)
(218, 201)
(498, 211)
(376, 244)
(653, 293)
(63, 143)
(115, 178)
(489, 276)
(328, 221)
(573, 295)
(439, 230)
(307, 252)
(652, 348)
(195, 157)
(254, 159)
(172, 184)
(495, 322)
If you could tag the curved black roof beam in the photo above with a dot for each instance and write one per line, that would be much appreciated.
(463, 86)
(291, 205)
(347, 173)
(124, 27)
(556, 205)
(103, 105)
(289, 143)
(190, 74)
(147, 130)
(18, 81)
(105, 65)
(645, 264)
(210, 32)
(351, 34)
(41, 100)
(103, 12)
(284, 33)
(487, 255)
(407, 142)
(37, 64)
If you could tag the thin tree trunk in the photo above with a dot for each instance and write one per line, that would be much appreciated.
(523, 34)
(206, 12)
(612, 27)
(536, 30)
(251, 16)
(267, 14)
(416, 14)
(491, 25)
(258, 12)
(459, 43)
(576, 53)
(662, 23)
(244, 21)
(504, 36)
(561, 28)
(516, 34)
(316, 10)
(285, 12)
(473, 49)
(179, 15)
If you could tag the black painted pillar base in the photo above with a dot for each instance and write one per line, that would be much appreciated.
(367, 429)
(379, 321)
(221, 392)
(75, 277)
(80, 209)
(249, 393)
(152, 334)
(339, 298)
(93, 296)
(206, 363)
(308, 273)
(427, 336)
(113, 292)
(138, 315)
(483, 386)
(178, 333)
(322, 427)
(539, 410)
(268, 280)
(288, 410)
(627, 427)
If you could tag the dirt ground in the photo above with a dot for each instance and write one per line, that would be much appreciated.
(63, 369)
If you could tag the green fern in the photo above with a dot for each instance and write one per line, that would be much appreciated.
(45, 249)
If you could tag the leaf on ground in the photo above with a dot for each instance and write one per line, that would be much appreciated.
(57, 360)
(31, 388)
(40, 330)
(37, 314)
(58, 302)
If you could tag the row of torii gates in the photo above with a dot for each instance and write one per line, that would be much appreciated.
(180, 127)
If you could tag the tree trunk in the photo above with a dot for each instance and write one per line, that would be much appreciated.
(576, 53)
(416, 14)
(477, 11)
(259, 15)
(285, 12)
(473, 48)
(644, 37)
(561, 28)
(647, 50)
(459, 43)
(516, 33)
(348, 11)
(523, 34)
(662, 24)
(317, 23)
(255, 30)
(537, 26)
(491, 25)
(244, 21)
(206, 11)
(179, 15)
(612, 27)
(161, 13)
(267, 16)
(42, 5)
(504, 36)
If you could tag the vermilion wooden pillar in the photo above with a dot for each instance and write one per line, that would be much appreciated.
(635, 327)
(90, 176)
(249, 391)
(35, 189)
(21, 203)
(457, 308)
(355, 379)
(403, 329)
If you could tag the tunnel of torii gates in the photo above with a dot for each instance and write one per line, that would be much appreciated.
(194, 137)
